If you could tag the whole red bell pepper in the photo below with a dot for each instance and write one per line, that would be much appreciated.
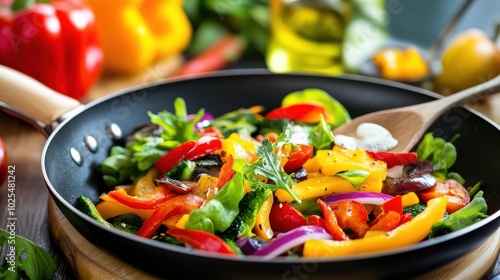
(54, 42)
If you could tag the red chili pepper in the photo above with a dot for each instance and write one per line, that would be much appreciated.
(149, 201)
(225, 51)
(393, 159)
(331, 222)
(302, 112)
(351, 215)
(298, 157)
(284, 217)
(183, 204)
(226, 172)
(189, 150)
(55, 43)
(201, 240)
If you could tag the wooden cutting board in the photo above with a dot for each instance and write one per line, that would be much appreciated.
(91, 262)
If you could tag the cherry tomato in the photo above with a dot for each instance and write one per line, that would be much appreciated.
(4, 162)
(457, 195)
(284, 217)
(298, 157)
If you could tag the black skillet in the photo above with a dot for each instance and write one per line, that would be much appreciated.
(67, 177)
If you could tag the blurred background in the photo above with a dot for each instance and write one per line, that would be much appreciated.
(119, 44)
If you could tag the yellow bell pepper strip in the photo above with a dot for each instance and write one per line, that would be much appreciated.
(406, 234)
(339, 159)
(201, 240)
(239, 147)
(109, 208)
(409, 199)
(182, 204)
(146, 184)
(136, 33)
(316, 187)
(262, 226)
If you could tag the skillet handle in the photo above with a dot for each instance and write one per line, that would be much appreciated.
(26, 97)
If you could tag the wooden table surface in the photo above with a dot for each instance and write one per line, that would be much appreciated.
(25, 143)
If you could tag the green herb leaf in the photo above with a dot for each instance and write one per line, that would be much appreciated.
(267, 166)
(473, 212)
(29, 258)
(321, 135)
(356, 177)
(220, 211)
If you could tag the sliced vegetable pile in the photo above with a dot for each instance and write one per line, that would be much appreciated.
(276, 185)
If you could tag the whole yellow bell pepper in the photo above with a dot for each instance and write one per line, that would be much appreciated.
(136, 33)
(406, 234)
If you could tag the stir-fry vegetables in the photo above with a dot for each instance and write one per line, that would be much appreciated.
(276, 184)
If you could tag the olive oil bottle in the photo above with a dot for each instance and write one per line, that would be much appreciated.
(307, 35)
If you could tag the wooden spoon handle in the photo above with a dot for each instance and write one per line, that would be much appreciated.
(29, 97)
(479, 92)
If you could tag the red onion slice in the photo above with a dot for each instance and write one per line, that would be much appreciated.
(290, 239)
(361, 197)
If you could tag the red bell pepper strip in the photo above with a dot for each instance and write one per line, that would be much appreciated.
(393, 159)
(204, 146)
(182, 204)
(301, 112)
(226, 172)
(391, 215)
(225, 51)
(284, 217)
(394, 204)
(316, 220)
(149, 201)
(387, 222)
(298, 157)
(201, 240)
(351, 215)
(54, 42)
(331, 222)
(189, 150)
(174, 156)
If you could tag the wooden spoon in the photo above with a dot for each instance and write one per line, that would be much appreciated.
(408, 124)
